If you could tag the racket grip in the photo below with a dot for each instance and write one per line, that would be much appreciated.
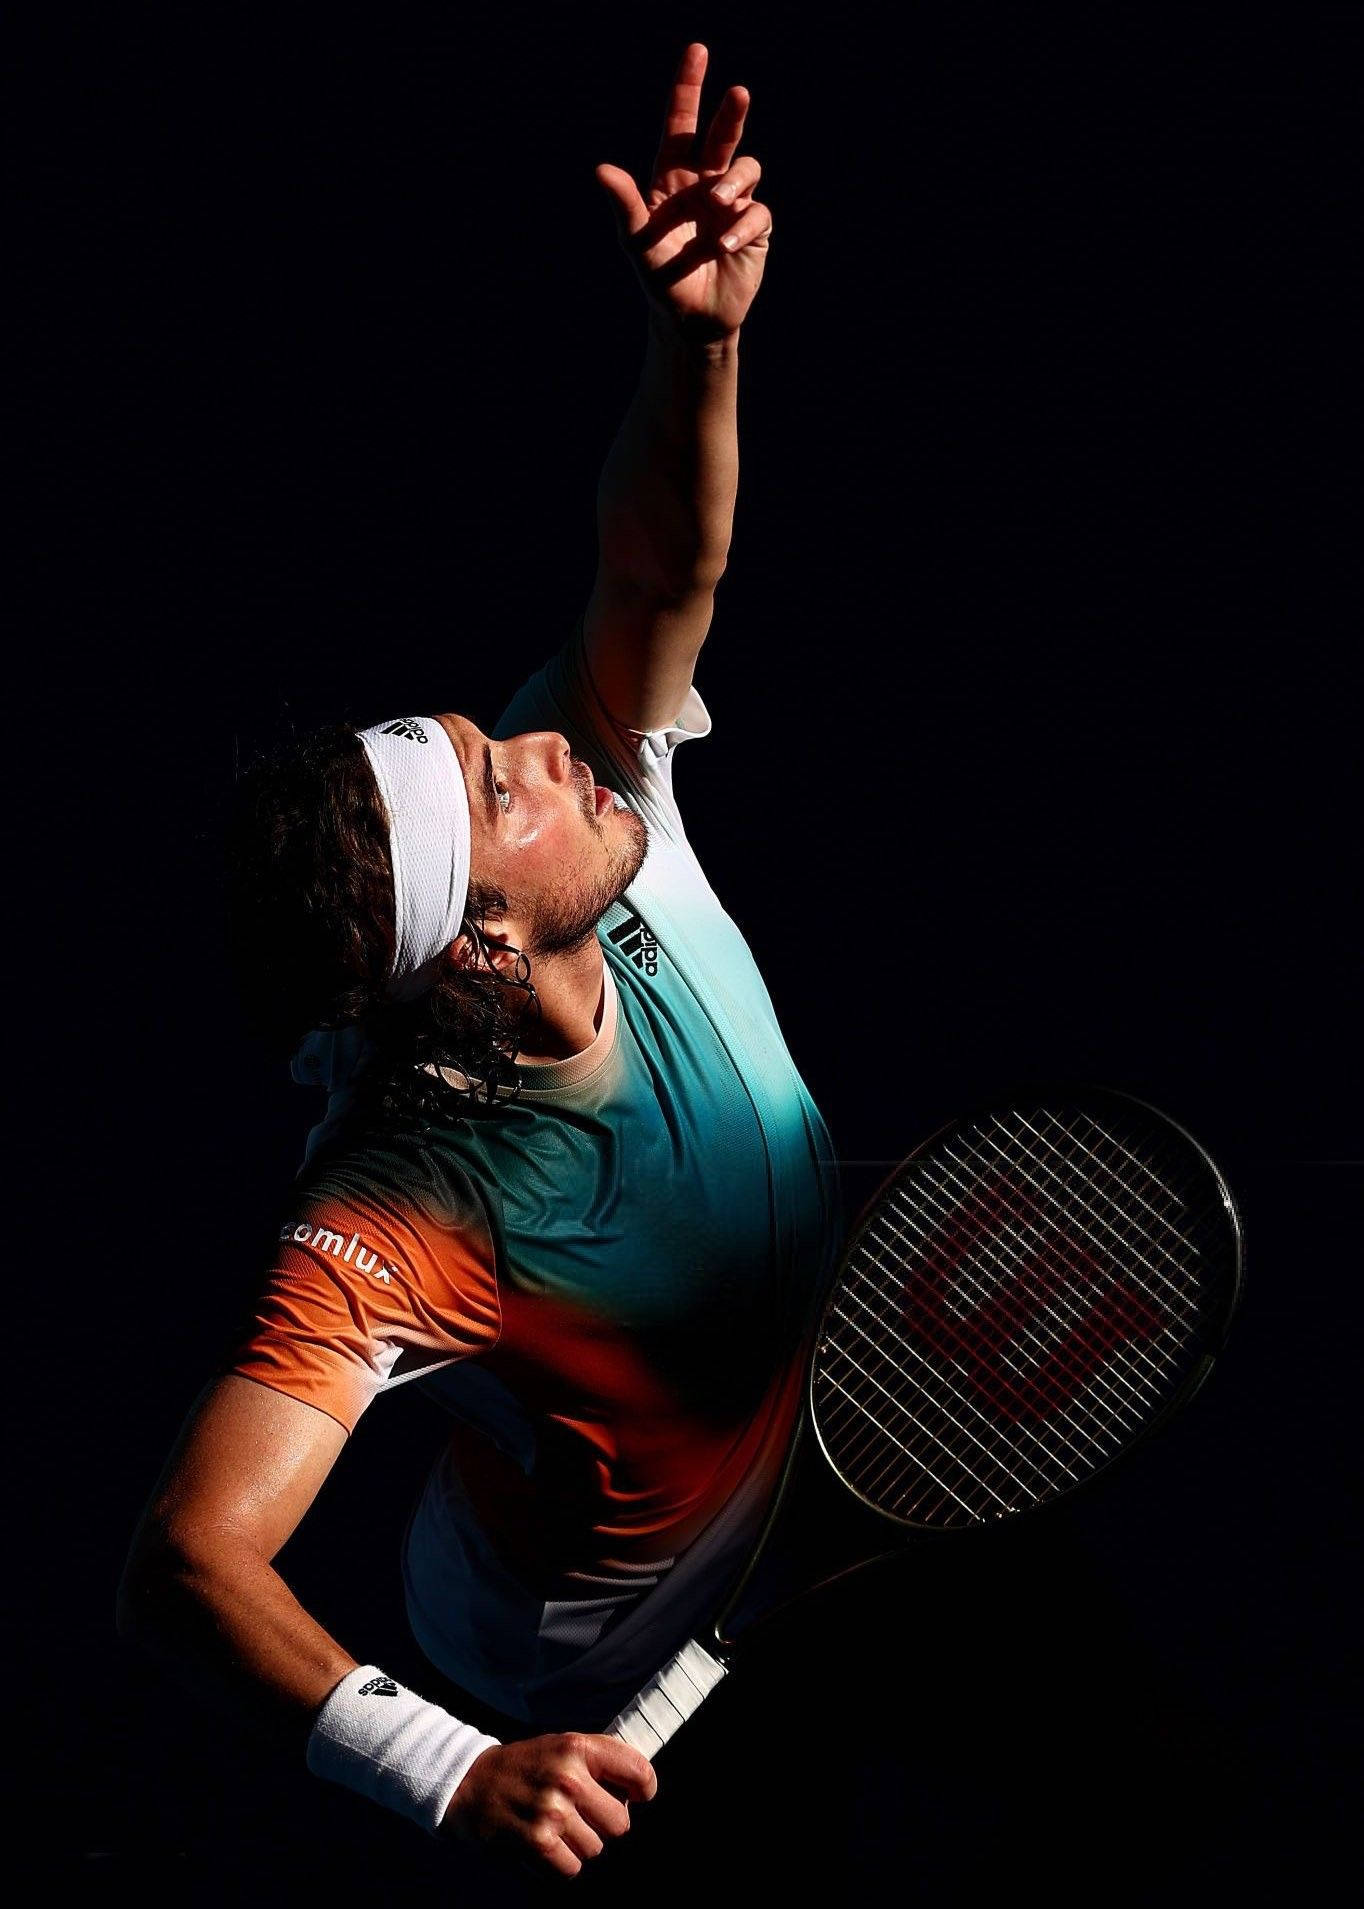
(667, 1700)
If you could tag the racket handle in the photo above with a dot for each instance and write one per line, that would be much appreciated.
(667, 1700)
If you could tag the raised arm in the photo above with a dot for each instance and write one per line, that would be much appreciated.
(665, 502)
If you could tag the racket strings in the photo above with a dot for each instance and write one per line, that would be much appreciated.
(1102, 1236)
(928, 1408)
(1027, 1328)
(1070, 1186)
(1056, 1452)
(1048, 1320)
(1119, 1163)
(1075, 1313)
(883, 1466)
(877, 1474)
(1092, 1315)
(1059, 1421)
(1168, 1279)
(880, 1342)
(1168, 1284)
(891, 1292)
(914, 1454)
(1038, 1317)
(1026, 1298)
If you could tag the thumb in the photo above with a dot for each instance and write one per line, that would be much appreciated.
(632, 215)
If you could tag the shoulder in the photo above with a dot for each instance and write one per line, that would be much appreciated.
(384, 1257)
(405, 1192)
(410, 1164)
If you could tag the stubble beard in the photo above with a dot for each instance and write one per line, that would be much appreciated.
(565, 922)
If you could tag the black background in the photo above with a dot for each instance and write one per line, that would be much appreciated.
(1034, 755)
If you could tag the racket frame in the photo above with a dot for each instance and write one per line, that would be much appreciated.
(1084, 1095)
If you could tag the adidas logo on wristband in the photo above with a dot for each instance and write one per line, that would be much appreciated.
(405, 1753)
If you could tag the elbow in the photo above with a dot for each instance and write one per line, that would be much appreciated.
(164, 1567)
(699, 568)
(693, 583)
(708, 571)
(627, 577)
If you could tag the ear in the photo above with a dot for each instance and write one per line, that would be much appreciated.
(502, 952)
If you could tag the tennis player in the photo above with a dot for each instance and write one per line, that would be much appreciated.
(568, 1177)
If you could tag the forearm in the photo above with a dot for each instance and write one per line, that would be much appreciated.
(224, 1619)
(665, 500)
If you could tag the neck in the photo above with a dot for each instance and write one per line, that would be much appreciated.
(569, 988)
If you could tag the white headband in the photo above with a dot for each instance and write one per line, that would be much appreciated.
(420, 778)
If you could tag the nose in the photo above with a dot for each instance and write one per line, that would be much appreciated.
(551, 752)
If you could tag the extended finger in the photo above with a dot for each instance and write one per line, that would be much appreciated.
(684, 104)
(725, 130)
(754, 222)
(738, 182)
(632, 215)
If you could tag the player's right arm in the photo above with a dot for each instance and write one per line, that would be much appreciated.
(201, 1590)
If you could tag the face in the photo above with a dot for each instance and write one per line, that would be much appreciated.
(545, 834)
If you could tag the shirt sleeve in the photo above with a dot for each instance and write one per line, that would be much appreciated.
(371, 1284)
(637, 763)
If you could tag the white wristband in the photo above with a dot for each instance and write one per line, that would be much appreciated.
(391, 1745)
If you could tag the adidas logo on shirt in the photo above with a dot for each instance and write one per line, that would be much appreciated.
(403, 727)
(637, 941)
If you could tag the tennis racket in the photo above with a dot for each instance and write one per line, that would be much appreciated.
(1027, 1297)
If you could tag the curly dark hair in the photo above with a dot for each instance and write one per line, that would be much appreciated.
(312, 933)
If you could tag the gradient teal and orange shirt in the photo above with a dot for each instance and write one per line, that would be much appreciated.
(606, 1281)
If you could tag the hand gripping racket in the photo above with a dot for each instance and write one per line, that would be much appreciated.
(1031, 1293)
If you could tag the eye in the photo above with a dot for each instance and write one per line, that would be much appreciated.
(503, 794)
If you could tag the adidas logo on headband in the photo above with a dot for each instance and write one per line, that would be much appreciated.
(405, 728)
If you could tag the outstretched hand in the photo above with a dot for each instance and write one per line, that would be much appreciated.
(696, 235)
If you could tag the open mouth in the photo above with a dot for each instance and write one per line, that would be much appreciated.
(596, 800)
